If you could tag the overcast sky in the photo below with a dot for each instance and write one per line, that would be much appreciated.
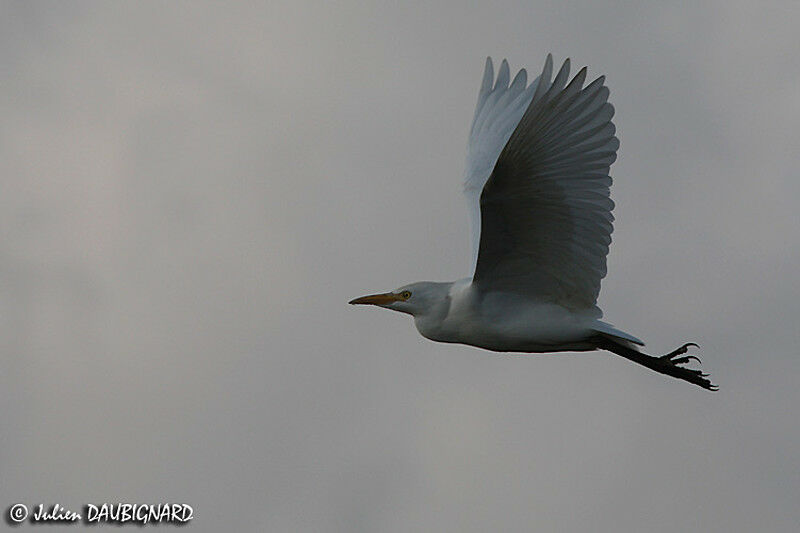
(190, 194)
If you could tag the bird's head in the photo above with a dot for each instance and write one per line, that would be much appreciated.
(414, 299)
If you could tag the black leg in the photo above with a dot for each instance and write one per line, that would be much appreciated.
(668, 364)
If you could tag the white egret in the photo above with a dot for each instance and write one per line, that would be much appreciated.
(537, 186)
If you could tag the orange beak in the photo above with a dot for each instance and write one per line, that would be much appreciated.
(377, 299)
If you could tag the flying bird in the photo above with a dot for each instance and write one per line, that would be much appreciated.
(537, 188)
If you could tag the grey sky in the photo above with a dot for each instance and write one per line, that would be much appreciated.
(192, 192)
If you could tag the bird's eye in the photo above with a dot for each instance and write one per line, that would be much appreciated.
(405, 295)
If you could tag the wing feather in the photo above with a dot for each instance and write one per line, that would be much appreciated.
(498, 111)
(543, 209)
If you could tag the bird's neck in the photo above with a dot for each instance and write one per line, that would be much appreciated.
(433, 322)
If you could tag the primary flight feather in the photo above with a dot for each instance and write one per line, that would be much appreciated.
(537, 187)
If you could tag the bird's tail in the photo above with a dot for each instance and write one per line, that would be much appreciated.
(607, 330)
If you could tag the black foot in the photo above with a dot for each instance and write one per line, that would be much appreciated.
(670, 364)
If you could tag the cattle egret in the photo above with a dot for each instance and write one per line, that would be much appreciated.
(537, 187)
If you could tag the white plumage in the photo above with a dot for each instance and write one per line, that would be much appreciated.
(537, 188)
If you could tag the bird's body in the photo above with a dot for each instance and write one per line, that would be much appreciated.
(537, 188)
(505, 322)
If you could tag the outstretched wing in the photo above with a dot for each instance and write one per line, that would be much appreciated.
(545, 211)
(497, 113)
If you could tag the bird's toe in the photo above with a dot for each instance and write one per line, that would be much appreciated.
(682, 360)
(680, 351)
